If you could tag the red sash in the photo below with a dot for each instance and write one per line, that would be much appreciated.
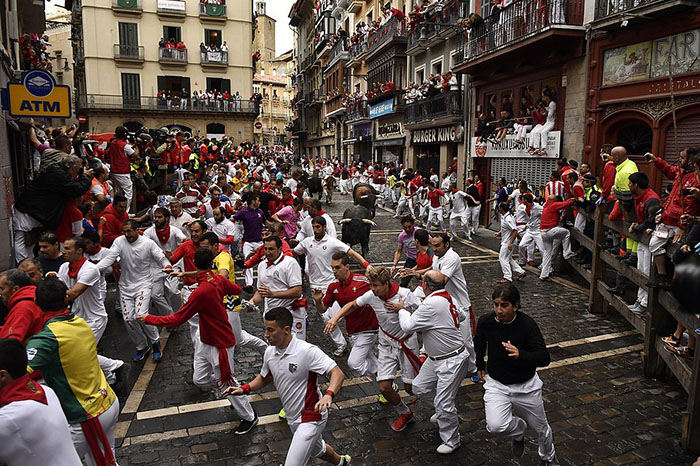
(412, 357)
(95, 435)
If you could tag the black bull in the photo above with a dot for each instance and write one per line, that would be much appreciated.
(365, 195)
(357, 225)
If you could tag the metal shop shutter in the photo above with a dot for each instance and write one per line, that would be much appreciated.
(534, 171)
(688, 135)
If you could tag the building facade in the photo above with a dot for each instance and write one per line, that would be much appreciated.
(127, 73)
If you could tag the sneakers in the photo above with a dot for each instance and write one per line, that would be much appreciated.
(141, 354)
(157, 353)
(433, 418)
(402, 421)
(553, 462)
(637, 308)
(245, 426)
(531, 263)
(345, 460)
(683, 351)
(671, 340)
(518, 447)
(340, 351)
(522, 275)
(445, 449)
(282, 414)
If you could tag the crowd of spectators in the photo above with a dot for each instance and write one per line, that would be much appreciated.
(434, 85)
(34, 51)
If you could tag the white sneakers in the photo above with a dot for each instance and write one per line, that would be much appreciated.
(444, 449)
(433, 418)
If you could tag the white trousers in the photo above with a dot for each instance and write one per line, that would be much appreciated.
(123, 183)
(249, 247)
(508, 264)
(521, 130)
(108, 365)
(423, 209)
(391, 358)
(134, 304)
(362, 359)
(580, 222)
(463, 217)
(526, 248)
(243, 338)
(159, 299)
(539, 135)
(108, 419)
(644, 266)
(526, 399)
(207, 373)
(405, 204)
(437, 384)
(21, 224)
(474, 212)
(548, 239)
(307, 442)
(435, 217)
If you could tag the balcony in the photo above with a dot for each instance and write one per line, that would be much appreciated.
(128, 53)
(529, 26)
(392, 33)
(338, 52)
(355, 6)
(431, 108)
(358, 111)
(101, 102)
(127, 7)
(172, 8)
(314, 97)
(212, 11)
(442, 26)
(335, 106)
(358, 51)
(322, 47)
(172, 56)
(610, 13)
(214, 58)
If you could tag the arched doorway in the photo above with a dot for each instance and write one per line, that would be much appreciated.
(133, 126)
(216, 131)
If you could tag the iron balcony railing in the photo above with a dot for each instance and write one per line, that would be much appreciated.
(392, 29)
(518, 21)
(359, 49)
(124, 102)
(443, 19)
(605, 8)
(172, 55)
(128, 52)
(212, 10)
(358, 111)
(339, 51)
(214, 58)
(440, 105)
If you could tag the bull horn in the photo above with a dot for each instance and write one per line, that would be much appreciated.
(369, 222)
(344, 221)
(364, 196)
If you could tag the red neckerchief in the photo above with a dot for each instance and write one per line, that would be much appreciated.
(99, 248)
(320, 212)
(22, 389)
(164, 234)
(214, 206)
(393, 290)
(73, 269)
(528, 208)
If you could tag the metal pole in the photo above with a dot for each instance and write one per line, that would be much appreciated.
(675, 128)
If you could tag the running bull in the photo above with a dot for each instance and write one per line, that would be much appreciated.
(365, 195)
(357, 224)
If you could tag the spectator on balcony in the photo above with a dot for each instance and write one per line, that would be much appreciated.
(181, 45)
(505, 126)
(171, 44)
(169, 98)
(540, 133)
(161, 43)
(452, 81)
(224, 47)
(184, 97)
(203, 49)
(523, 124)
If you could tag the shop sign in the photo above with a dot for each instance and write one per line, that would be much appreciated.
(508, 148)
(441, 134)
(37, 95)
(172, 5)
(382, 108)
(389, 130)
(683, 48)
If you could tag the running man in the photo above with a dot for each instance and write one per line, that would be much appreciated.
(293, 365)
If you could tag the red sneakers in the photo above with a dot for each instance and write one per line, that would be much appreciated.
(402, 421)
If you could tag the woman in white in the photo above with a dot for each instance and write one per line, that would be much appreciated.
(539, 134)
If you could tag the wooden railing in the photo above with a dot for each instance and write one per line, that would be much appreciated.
(662, 308)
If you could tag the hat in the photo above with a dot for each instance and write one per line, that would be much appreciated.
(589, 177)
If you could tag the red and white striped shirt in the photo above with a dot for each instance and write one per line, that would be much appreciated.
(556, 188)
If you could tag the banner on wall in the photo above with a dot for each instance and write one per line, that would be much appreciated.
(508, 148)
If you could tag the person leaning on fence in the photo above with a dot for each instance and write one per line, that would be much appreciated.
(682, 200)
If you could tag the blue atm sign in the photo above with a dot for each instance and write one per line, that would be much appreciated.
(37, 95)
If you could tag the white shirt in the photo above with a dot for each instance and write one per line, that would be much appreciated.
(281, 275)
(435, 179)
(533, 225)
(439, 321)
(306, 229)
(36, 434)
(521, 215)
(177, 237)
(134, 258)
(552, 112)
(89, 305)
(446, 184)
(450, 264)
(515, 195)
(181, 222)
(318, 258)
(95, 258)
(294, 371)
(292, 184)
(222, 229)
(508, 228)
(389, 321)
(458, 201)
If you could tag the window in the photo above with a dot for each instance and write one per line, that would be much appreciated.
(212, 37)
(369, 18)
(131, 89)
(219, 84)
(174, 84)
(436, 66)
(256, 88)
(171, 32)
(485, 8)
(453, 58)
(636, 138)
(128, 34)
(420, 75)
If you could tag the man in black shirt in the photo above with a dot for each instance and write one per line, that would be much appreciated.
(473, 207)
(515, 350)
(50, 255)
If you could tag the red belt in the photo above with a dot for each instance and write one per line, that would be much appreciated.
(412, 358)
(299, 303)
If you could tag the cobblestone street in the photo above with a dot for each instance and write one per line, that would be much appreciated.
(601, 408)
